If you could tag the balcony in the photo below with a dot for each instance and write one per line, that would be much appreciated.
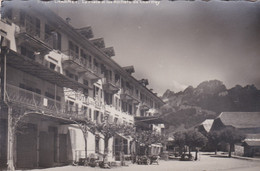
(30, 35)
(37, 102)
(38, 70)
(110, 86)
(73, 61)
(128, 95)
(144, 106)
(81, 65)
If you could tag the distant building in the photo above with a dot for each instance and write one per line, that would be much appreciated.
(205, 126)
(246, 122)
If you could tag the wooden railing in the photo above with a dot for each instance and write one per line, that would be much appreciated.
(32, 100)
(31, 29)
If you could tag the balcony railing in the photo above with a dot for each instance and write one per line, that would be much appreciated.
(128, 94)
(96, 70)
(145, 105)
(73, 58)
(35, 32)
(34, 101)
(111, 85)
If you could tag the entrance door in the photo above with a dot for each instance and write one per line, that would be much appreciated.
(63, 148)
(27, 147)
(46, 150)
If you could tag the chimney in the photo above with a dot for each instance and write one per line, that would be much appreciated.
(129, 69)
(144, 82)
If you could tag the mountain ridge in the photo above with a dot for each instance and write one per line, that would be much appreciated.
(206, 101)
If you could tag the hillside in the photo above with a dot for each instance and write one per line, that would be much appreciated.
(193, 105)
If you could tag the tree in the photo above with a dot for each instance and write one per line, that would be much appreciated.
(147, 138)
(111, 129)
(194, 139)
(231, 136)
(214, 139)
(191, 138)
(86, 126)
(179, 140)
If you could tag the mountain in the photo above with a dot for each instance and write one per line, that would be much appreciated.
(193, 105)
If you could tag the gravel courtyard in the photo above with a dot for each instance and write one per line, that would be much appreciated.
(205, 163)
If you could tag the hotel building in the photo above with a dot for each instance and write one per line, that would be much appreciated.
(56, 76)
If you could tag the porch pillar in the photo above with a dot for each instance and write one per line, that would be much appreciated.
(38, 145)
(10, 141)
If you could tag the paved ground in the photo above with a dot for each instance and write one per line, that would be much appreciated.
(205, 163)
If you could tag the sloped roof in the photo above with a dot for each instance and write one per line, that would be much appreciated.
(253, 136)
(207, 124)
(240, 119)
(252, 143)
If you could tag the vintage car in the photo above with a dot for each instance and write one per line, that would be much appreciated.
(147, 159)
(186, 157)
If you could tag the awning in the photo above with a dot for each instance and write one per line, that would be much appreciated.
(149, 119)
(156, 145)
(31, 67)
(125, 137)
(46, 117)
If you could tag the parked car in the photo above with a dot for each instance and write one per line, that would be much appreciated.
(186, 157)
(147, 159)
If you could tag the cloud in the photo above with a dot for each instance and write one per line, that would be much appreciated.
(177, 86)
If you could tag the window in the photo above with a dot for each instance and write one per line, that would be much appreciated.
(26, 52)
(130, 109)
(115, 120)
(47, 32)
(85, 82)
(22, 18)
(38, 91)
(83, 54)
(102, 117)
(90, 114)
(8, 14)
(117, 78)
(124, 106)
(95, 92)
(110, 75)
(73, 50)
(90, 61)
(38, 27)
(96, 115)
(76, 77)
(97, 144)
(52, 66)
(116, 103)
(85, 111)
(71, 46)
(85, 92)
(70, 75)
(49, 95)
(59, 41)
(23, 50)
(77, 50)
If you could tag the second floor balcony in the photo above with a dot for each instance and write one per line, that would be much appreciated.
(36, 102)
(81, 65)
(128, 95)
(110, 85)
(31, 35)
(144, 106)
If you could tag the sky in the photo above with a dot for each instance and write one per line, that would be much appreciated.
(177, 44)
